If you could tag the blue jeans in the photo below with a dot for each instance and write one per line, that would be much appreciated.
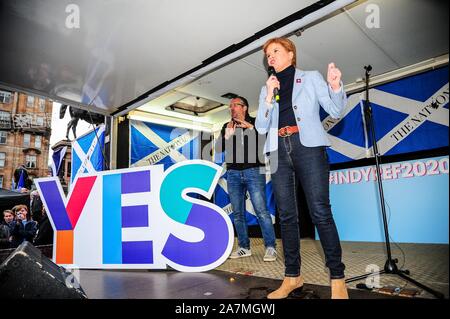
(308, 166)
(251, 180)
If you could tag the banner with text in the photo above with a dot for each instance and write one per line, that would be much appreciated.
(142, 217)
(416, 196)
(159, 144)
(409, 115)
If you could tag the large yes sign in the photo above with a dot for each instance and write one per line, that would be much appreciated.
(139, 218)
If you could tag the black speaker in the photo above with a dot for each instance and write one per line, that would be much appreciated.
(26, 273)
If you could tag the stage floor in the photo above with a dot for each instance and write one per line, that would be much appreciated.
(252, 278)
(215, 284)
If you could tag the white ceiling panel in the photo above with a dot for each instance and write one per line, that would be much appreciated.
(125, 50)
(120, 49)
(410, 31)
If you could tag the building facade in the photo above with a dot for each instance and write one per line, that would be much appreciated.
(25, 128)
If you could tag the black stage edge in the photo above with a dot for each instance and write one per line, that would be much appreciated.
(232, 308)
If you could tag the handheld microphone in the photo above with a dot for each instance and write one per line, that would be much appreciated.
(271, 71)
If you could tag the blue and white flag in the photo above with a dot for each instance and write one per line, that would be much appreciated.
(87, 152)
(21, 182)
(159, 144)
(410, 115)
(222, 199)
(58, 156)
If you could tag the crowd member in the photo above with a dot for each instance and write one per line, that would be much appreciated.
(9, 219)
(24, 228)
(36, 206)
(44, 234)
(4, 237)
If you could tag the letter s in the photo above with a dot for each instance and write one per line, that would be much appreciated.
(201, 177)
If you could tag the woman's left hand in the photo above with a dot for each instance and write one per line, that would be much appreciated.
(334, 77)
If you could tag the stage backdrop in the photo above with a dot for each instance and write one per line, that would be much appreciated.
(159, 144)
(416, 196)
(410, 115)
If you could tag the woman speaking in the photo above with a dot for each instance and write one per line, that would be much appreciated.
(296, 143)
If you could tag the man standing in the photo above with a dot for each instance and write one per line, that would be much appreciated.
(245, 172)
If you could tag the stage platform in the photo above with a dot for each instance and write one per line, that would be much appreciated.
(215, 284)
(252, 278)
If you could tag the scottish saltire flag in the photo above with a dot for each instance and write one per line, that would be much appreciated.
(222, 199)
(159, 144)
(21, 182)
(87, 152)
(410, 115)
(57, 157)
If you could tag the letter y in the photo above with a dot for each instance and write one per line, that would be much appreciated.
(64, 212)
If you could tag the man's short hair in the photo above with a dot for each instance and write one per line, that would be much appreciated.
(243, 99)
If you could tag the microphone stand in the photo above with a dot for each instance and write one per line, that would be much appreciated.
(390, 266)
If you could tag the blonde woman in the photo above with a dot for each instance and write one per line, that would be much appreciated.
(296, 144)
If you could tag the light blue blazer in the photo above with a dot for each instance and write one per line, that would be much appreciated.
(310, 91)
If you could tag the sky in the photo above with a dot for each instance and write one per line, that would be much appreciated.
(59, 128)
